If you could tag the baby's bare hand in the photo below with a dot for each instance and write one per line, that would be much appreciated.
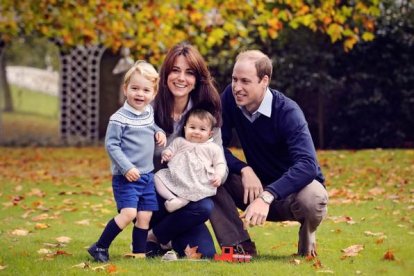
(166, 156)
(215, 181)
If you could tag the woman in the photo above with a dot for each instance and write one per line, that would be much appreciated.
(185, 82)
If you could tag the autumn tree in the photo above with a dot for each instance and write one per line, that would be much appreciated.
(219, 29)
(149, 28)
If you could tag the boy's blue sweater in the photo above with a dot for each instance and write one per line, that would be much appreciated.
(130, 140)
(279, 149)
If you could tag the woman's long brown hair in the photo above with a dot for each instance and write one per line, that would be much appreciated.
(204, 95)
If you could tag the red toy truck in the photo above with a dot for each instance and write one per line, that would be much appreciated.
(228, 255)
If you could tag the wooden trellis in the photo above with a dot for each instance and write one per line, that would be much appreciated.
(79, 94)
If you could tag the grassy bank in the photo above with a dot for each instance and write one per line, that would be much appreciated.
(55, 202)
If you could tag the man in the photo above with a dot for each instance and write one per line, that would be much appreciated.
(281, 179)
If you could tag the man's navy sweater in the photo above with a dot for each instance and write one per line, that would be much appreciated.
(279, 149)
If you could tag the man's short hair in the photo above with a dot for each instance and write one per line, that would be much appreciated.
(261, 61)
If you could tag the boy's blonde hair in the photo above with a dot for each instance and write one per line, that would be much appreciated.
(146, 70)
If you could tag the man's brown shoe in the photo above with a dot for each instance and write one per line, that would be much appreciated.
(246, 247)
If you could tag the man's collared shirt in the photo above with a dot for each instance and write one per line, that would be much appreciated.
(265, 108)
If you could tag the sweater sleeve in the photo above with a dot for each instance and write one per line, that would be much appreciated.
(301, 151)
(113, 140)
(219, 163)
(228, 105)
(158, 129)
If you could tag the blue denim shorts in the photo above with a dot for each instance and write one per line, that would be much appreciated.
(139, 194)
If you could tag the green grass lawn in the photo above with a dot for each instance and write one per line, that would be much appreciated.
(54, 203)
(34, 120)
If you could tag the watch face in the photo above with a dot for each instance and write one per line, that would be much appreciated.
(267, 198)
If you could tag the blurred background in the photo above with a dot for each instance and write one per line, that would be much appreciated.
(349, 64)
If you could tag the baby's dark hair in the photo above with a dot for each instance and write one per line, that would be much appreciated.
(202, 114)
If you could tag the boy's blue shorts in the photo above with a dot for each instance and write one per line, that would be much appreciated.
(139, 194)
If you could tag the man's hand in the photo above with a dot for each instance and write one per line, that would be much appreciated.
(251, 184)
(132, 175)
(160, 139)
(256, 213)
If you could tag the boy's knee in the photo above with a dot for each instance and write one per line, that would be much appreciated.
(129, 214)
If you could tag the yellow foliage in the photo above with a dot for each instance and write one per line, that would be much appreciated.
(335, 32)
(350, 42)
(367, 36)
(206, 23)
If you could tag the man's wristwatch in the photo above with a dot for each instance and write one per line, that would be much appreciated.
(267, 197)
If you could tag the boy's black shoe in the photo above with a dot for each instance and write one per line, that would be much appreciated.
(99, 254)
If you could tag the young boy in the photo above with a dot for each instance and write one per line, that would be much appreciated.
(130, 145)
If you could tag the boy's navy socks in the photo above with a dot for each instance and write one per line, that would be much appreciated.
(109, 234)
(139, 240)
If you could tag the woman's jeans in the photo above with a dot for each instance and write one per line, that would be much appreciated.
(185, 227)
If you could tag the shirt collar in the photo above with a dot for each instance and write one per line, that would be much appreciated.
(180, 122)
(265, 108)
(128, 107)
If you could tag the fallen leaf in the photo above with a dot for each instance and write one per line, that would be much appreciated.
(16, 199)
(83, 222)
(380, 240)
(41, 217)
(63, 239)
(36, 192)
(111, 268)
(27, 213)
(41, 226)
(191, 252)
(44, 251)
(69, 201)
(84, 265)
(295, 261)
(18, 188)
(378, 234)
(7, 204)
(317, 264)
(346, 219)
(352, 250)
(62, 252)
(376, 191)
(20, 232)
(389, 256)
(289, 223)
(100, 268)
(51, 244)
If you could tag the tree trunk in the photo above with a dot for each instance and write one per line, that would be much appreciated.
(4, 85)
(321, 131)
